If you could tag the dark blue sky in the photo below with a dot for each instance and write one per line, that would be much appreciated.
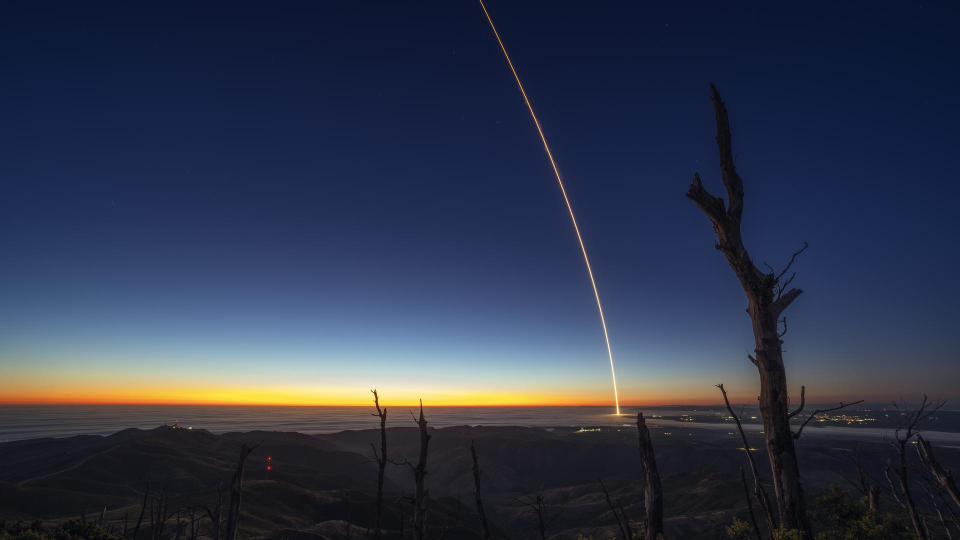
(316, 199)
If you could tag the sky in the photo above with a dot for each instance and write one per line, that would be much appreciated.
(296, 203)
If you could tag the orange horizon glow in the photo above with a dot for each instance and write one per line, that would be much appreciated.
(482, 401)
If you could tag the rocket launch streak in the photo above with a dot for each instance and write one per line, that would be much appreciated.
(556, 172)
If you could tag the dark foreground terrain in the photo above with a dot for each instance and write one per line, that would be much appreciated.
(318, 484)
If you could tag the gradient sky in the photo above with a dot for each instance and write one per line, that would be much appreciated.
(298, 203)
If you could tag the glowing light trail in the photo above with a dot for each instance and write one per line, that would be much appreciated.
(556, 172)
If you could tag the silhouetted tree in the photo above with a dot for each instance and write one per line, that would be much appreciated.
(236, 492)
(652, 492)
(943, 476)
(421, 494)
(381, 460)
(864, 482)
(746, 493)
(909, 424)
(934, 496)
(143, 509)
(761, 494)
(159, 519)
(536, 504)
(444, 530)
(481, 514)
(767, 299)
(216, 517)
(623, 523)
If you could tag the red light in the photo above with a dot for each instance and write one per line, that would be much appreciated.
(269, 467)
(269, 458)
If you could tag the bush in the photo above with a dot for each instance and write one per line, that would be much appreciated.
(847, 519)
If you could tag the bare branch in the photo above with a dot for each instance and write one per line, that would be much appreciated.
(762, 499)
(803, 390)
(792, 259)
(818, 411)
(943, 476)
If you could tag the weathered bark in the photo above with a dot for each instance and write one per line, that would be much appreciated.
(746, 493)
(766, 302)
(481, 514)
(652, 492)
(944, 476)
(873, 498)
(419, 475)
(143, 509)
(381, 459)
(236, 493)
(103, 516)
(761, 494)
(623, 523)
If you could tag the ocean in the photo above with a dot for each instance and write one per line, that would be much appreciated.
(18, 422)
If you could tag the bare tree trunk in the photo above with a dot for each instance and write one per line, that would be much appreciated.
(162, 503)
(143, 509)
(766, 302)
(910, 423)
(236, 493)
(346, 512)
(873, 498)
(103, 515)
(746, 493)
(623, 523)
(933, 492)
(537, 505)
(420, 474)
(761, 494)
(381, 459)
(652, 492)
(217, 517)
(481, 515)
(944, 476)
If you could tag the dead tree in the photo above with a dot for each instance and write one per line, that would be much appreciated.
(159, 520)
(236, 492)
(767, 299)
(623, 522)
(934, 492)
(909, 425)
(143, 509)
(864, 482)
(536, 504)
(216, 517)
(346, 511)
(103, 515)
(381, 460)
(652, 492)
(481, 515)
(943, 476)
(761, 494)
(746, 494)
(419, 475)
(444, 531)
